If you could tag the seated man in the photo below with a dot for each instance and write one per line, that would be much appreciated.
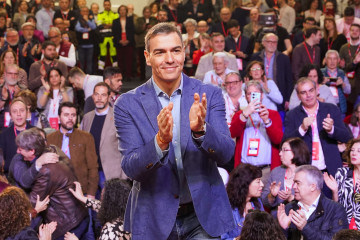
(234, 95)
(312, 215)
(220, 70)
(53, 180)
(255, 128)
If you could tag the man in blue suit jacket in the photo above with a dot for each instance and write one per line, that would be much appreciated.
(171, 143)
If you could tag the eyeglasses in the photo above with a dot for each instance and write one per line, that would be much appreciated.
(231, 83)
(255, 69)
(285, 150)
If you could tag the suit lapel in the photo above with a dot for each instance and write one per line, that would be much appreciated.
(187, 100)
(109, 119)
(150, 104)
(91, 119)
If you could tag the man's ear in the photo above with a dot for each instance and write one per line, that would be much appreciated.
(147, 57)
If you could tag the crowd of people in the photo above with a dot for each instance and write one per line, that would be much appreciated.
(247, 124)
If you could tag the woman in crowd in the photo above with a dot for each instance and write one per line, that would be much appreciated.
(21, 15)
(346, 184)
(313, 11)
(110, 210)
(293, 153)
(272, 96)
(244, 190)
(15, 209)
(154, 8)
(84, 29)
(9, 57)
(52, 93)
(191, 43)
(260, 225)
(123, 31)
(331, 40)
(354, 124)
(204, 48)
(314, 73)
(329, 12)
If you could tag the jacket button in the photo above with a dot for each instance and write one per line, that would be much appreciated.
(149, 165)
(176, 196)
(210, 150)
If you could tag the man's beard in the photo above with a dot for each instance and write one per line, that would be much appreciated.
(47, 57)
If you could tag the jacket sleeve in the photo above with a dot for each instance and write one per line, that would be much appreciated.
(23, 175)
(237, 126)
(290, 129)
(341, 132)
(92, 164)
(34, 77)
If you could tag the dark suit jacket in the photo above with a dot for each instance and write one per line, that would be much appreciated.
(117, 30)
(83, 157)
(202, 13)
(109, 153)
(154, 199)
(294, 119)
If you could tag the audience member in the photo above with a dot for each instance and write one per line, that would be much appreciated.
(39, 69)
(313, 73)
(320, 125)
(51, 94)
(234, 95)
(78, 146)
(244, 190)
(330, 11)
(196, 10)
(222, 26)
(272, 96)
(204, 48)
(38, 34)
(67, 14)
(21, 14)
(191, 43)
(354, 124)
(307, 52)
(65, 50)
(84, 32)
(277, 67)
(287, 15)
(252, 27)
(299, 37)
(279, 188)
(343, 24)
(31, 50)
(312, 215)
(44, 17)
(162, 16)
(104, 22)
(313, 11)
(123, 31)
(172, 9)
(111, 208)
(202, 27)
(205, 63)
(217, 76)
(331, 39)
(255, 128)
(9, 57)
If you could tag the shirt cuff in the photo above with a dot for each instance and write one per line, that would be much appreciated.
(160, 153)
(301, 131)
(200, 139)
(269, 124)
(37, 168)
(332, 130)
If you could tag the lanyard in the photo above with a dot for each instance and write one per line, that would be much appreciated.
(239, 44)
(357, 50)
(267, 65)
(43, 65)
(64, 16)
(15, 131)
(173, 15)
(55, 101)
(255, 128)
(223, 29)
(332, 75)
(330, 44)
(308, 53)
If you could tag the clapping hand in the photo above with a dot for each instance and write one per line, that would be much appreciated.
(197, 113)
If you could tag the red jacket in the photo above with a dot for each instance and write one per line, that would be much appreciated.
(274, 132)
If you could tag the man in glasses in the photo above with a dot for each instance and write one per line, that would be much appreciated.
(320, 125)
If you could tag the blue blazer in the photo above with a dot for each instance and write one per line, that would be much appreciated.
(294, 119)
(154, 199)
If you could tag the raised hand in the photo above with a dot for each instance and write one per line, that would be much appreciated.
(328, 123)
(197, 113)
(165, 124)
(41, 205)
(299, 219)
(275, 188)
(78, 193)
(307, 123)
(284, 220)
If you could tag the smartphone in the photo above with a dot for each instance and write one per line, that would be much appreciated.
(332, 79)
(255, 96)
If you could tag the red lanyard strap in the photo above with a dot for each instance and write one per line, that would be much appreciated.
(223, 28)
(357, 50)
(238, 46)
(307, 51)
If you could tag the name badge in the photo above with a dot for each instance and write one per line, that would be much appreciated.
(334, 91)
(253, 149)
(85, 35)
(54, 123)
(239, 63)
(7, 119)
(315, 151)
(351, 74)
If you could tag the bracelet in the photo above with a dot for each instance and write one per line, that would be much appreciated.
(4, 100)
(161, 140)
(46, 93)
(244, 115)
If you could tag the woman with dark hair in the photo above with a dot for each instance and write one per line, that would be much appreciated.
(346, 184)
(260, 225)
(9, 57)
(313, 11)
(244, 190)
(293, 153)
(331, 38)
(110, 210)
(15, 208)
(52, 93)
(314, 73)
(354, 124)
(21, 14)
(272, 96)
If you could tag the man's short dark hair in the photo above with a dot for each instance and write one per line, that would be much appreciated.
(103, 84)
(311, 30)
(309, 19)
(31, 139)
(75, 71)
(233, 23)
(216, 34)
(69, 105)
(111, 71)
(161, 28)
(47, 43)
(349, 12)
(355, 25)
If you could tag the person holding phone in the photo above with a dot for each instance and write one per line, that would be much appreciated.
(255, 128)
